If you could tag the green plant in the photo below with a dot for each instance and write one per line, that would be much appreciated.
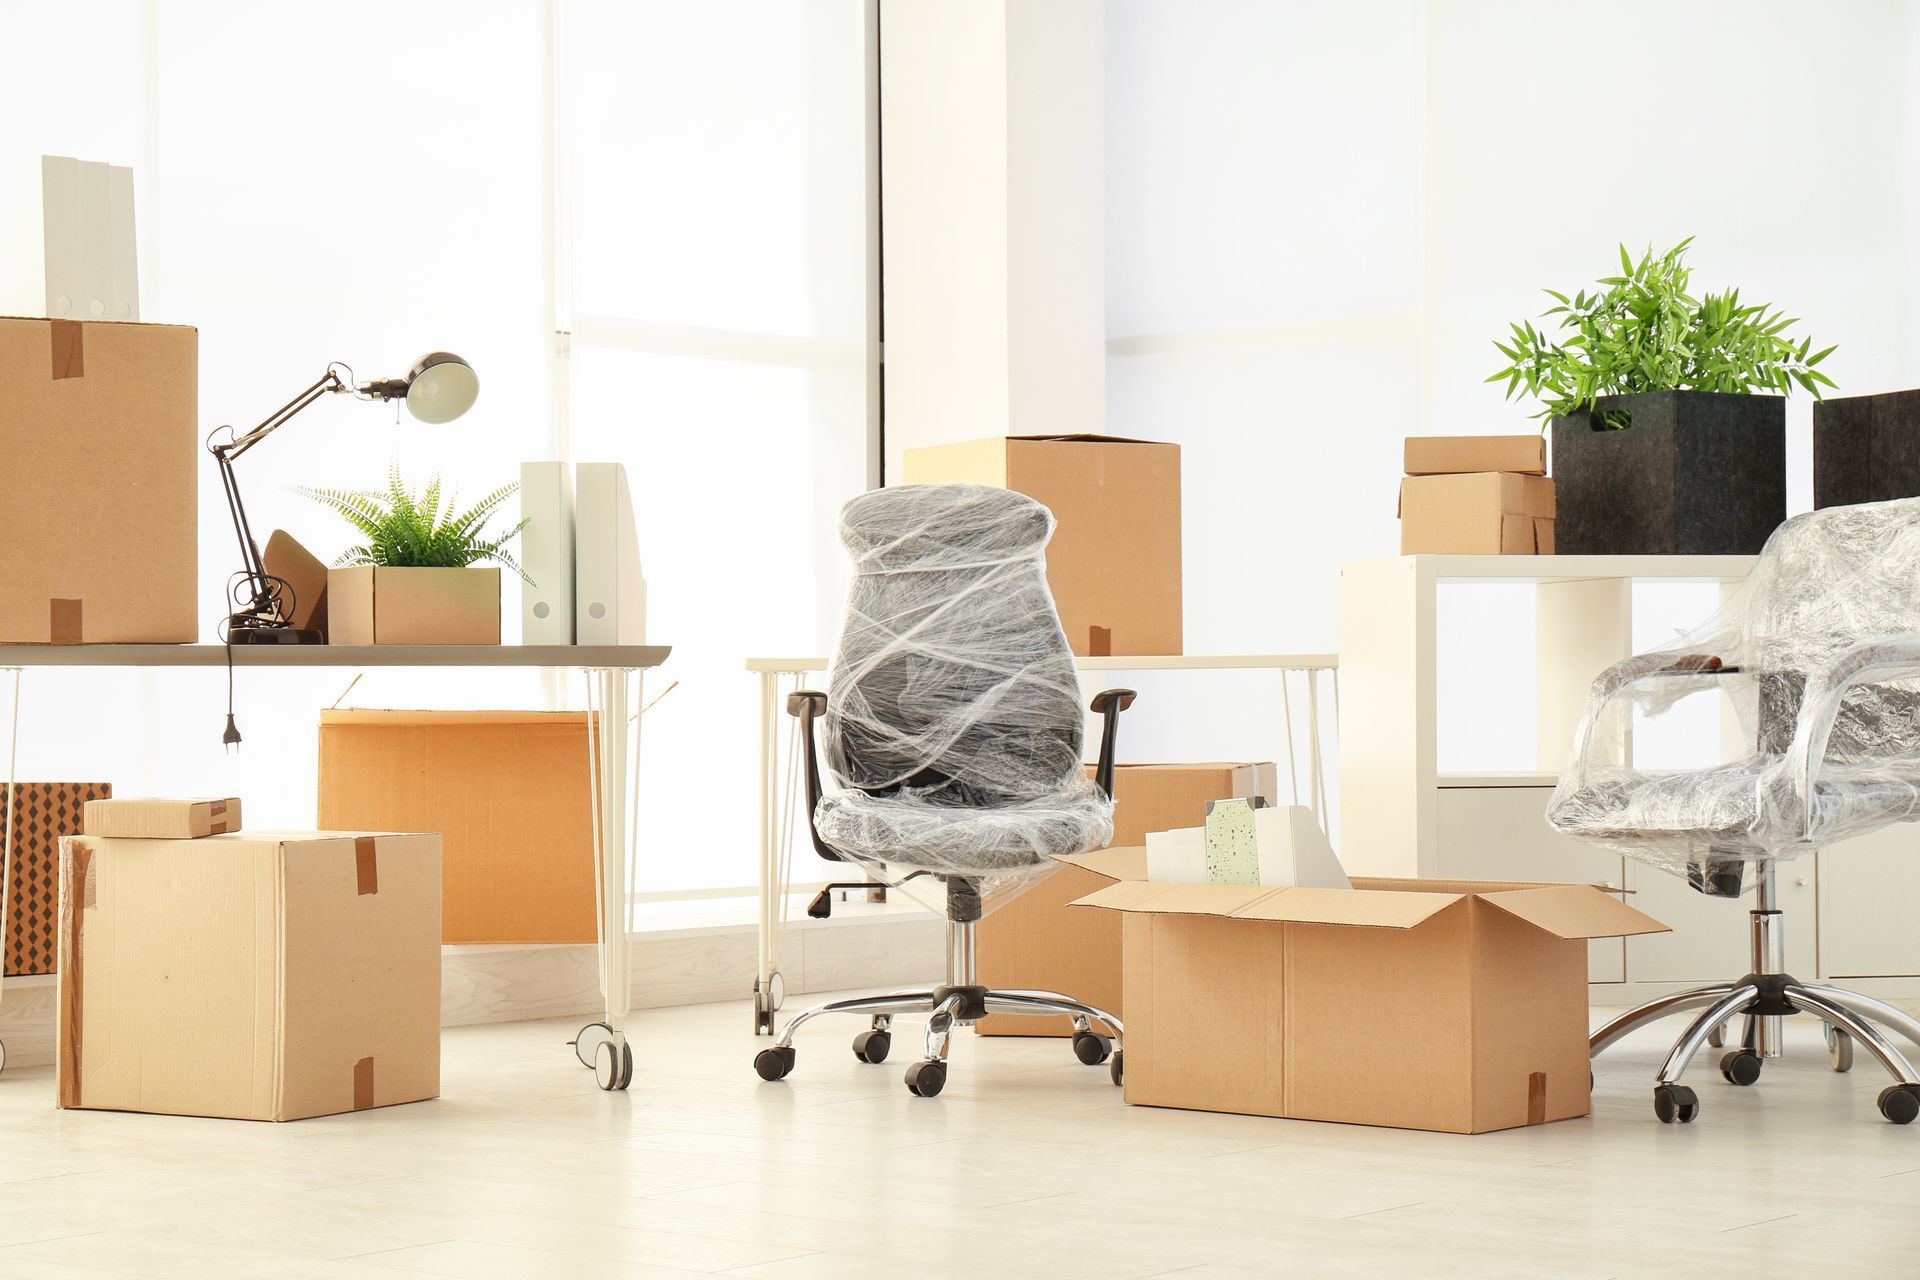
(1645, 332)
(408, 532)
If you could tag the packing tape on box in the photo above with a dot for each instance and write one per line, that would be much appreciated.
(218, 824)
(1537, 1098)
(363, 1084)
(69, 349)
(1099, 642)
(366, 865)
(77, 886)
(64, 621)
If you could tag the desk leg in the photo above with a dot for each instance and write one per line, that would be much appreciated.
(614, 770)
(766, 978)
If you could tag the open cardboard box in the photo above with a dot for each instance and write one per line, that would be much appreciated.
(1458, 1006)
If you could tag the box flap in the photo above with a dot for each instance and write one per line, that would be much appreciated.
(1129, 862)
(1575, 911)
(1086, 437)
(1174, 899)
(1395, 910)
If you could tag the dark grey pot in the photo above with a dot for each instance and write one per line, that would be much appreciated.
(1698, 473)
(1866, 449)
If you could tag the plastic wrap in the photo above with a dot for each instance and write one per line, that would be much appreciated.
(1817, 655)
(953, 724)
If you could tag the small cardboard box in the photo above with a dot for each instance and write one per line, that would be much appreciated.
(368, 605)
(161, 819)
(99, 463)
(1454, 455)
(1114, 562)
(256, 976)
(506, 790)
(1035, 942)
(1485, 513)
(1458, 1006)
(45, 812)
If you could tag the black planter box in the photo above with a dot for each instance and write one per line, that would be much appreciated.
(1698, 473)
(1866, 449)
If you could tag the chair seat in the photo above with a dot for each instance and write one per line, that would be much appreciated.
(905, 830)
(1731, 808)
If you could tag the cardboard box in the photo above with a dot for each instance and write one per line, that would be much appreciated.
(1458, 1006)
(161, 819)
(256, 976)
(1455, 455)
(368, 605)
(506, 790)
(99, 462)
(46, 811)
(1486, 513)
(1114, 562)
(1035, 942)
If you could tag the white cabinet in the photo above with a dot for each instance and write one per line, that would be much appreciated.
(1501, 833)
(1870, 904)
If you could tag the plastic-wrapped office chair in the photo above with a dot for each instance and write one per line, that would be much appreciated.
(953, 728)
(1820, 654)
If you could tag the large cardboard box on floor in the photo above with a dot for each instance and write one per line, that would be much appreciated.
(1485, 513)
(1458, 1006)
(508, 793)
(256, 976)
(37, 814)
(1114, 562)
(1034, 941)
(99, 461)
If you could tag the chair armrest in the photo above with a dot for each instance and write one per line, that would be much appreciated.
(808, 705)
(1820, 705)
(1108, 705)
(1630, 671)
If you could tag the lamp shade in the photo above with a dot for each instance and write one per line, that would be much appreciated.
(440, 387)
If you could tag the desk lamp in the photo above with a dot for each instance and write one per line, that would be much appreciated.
(439, 388)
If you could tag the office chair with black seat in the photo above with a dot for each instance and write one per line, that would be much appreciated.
(1819, 655)
(953, 733)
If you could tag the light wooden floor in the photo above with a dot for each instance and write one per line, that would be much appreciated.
(1029, 1164)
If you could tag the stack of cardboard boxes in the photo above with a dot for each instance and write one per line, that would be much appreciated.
(207, 971)
(1476, 495)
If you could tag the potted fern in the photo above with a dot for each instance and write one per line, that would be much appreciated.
(1667, 437)
(414, 580)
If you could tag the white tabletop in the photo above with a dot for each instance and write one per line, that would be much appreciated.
(629, 657)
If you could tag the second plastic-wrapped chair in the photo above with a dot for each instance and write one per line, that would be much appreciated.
(1818, 655)
(953, 732)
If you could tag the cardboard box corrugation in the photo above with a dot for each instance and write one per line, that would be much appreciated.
(254, 976)
(1114, 561)
(1458, 1006)
(99, 465)
(1034, 941)
(1485, 513)
(506, 790)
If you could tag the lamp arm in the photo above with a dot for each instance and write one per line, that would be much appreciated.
(233, 448)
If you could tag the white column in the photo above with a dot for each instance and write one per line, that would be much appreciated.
(992, 215)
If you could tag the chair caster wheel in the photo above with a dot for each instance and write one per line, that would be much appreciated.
(1900, 1103)
(1091, 1047)
(1741, 1067)
(872, 1046)
(1676, 1104)
(926, 1078)
(774, 1064)
(1839, 1049)
(1114, 1068)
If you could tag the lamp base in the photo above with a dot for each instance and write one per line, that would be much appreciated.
(279, 635)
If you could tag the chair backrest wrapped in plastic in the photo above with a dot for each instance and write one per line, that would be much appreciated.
(1820, 755)
(952, 677)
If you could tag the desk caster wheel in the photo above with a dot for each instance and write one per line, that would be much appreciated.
(1741, 1067)
(1115, 1070)
(613, 1065)
(1900, 1103)
(872, 1046)
(1091, 1047)
(1839, 1049)
(775, 1063)
(926, 1078)
(1676, 1104)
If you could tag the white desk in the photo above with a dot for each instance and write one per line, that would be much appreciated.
(614, 687)
(774, 820)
